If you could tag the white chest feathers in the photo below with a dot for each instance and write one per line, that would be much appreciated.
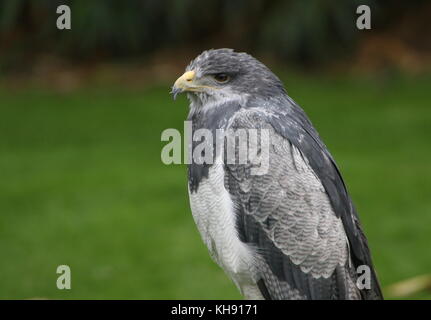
(214, 214)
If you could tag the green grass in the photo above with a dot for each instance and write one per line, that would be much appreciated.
(82, 184)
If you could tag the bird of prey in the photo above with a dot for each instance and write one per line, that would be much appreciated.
(291, 232)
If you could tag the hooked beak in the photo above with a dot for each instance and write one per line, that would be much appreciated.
(184, 83)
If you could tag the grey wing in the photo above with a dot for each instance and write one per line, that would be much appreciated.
(285, 215)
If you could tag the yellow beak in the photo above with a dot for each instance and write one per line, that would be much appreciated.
(184, 83)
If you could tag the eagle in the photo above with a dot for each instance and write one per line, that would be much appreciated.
(284, 233)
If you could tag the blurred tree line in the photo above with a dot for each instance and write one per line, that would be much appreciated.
(304, 32)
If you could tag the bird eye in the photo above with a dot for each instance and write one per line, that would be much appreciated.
(221, 77)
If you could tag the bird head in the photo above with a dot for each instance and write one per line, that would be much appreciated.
(225, 74)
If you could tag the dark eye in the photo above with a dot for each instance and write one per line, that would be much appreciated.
(221, 77)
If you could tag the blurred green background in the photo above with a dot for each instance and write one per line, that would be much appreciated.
(82, 111)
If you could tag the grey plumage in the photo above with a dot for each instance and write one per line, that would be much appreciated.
(297, 219)
(286, 214)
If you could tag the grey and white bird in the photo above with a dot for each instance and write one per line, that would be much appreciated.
(291, 232)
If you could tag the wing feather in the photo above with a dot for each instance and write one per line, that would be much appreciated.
(298, 216)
